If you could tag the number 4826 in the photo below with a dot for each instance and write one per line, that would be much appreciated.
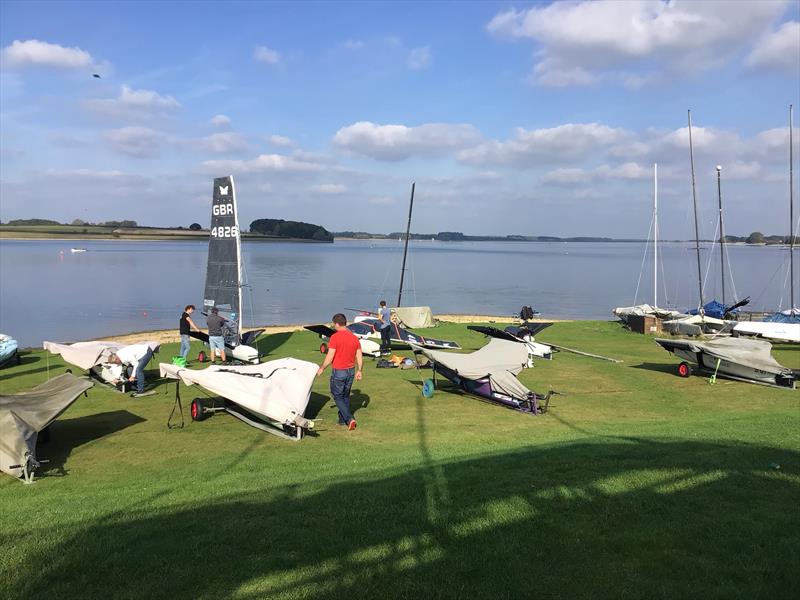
(224, 232)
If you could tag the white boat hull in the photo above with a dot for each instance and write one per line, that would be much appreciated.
(783, 332)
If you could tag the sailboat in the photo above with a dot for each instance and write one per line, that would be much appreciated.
(623, 313)
(782, 325)
(223, 289)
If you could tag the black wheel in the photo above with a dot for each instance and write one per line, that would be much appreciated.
(198, 410)
(684, 369)
(323, 348)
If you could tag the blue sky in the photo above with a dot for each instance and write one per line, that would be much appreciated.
(530, 118)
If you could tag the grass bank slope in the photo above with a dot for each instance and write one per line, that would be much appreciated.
(637, 484)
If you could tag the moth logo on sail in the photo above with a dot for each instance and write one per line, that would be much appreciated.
(223, 190)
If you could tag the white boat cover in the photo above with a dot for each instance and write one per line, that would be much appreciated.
(85, 355)
(499, 360)
(756, 354)
(415, 316)
(24, 415)
(623, 312)
(693, 324)
(277, 389)
(785, 332)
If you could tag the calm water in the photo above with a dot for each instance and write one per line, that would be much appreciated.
(119, 287)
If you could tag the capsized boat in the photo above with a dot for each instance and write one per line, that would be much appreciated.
(223, 289)
(489, 373)
(24, 415)
(743, 359)
(8, 349)
(271, 396)
(93, 357)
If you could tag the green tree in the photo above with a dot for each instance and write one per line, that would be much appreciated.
(755, 238)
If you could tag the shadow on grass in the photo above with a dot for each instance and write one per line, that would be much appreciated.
(267, 344)
(629, 517)
(671, 368)
(67, 434)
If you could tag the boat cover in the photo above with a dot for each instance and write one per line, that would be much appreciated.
(499, 360)
(415, 316)
(8, 347)
(786, 316)
(277, 389)
(24, 415)
(756, 354)
(775, 330)
(623, 312)
(694, 325)
(85, 355)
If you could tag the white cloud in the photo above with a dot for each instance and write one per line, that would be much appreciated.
(35, 53)
(419, 58)
(778, 50)
(266, 55)
(582, 42)
(565, 176)
(225, 143)
(138, 142)
(353, 44)
(133, 104)
(280, 140)
(574, 175)
(220, 121)
(264, 162)
(398, 142)
(328, 188)
(94, 175)
(571, 141)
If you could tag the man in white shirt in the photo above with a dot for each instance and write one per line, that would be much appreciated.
(136, 356)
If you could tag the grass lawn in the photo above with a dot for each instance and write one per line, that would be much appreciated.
(636, 484)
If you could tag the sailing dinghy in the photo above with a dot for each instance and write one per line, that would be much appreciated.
(743, 359)
(223, 289)
(271, 396)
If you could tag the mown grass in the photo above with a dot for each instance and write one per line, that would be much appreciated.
(637, 484)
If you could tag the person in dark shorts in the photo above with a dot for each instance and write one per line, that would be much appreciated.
(186, 326)
(344, 355)
(216, 338)
(385, 317)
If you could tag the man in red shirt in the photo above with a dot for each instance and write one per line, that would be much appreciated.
(344, 351)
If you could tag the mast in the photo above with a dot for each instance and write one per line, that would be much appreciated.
(238, 257)
(701, 310)
(655, 238)
(791, 216)
(405, 250)
(721, 234)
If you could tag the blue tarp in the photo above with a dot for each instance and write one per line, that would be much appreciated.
(779, 317)
(713, 309)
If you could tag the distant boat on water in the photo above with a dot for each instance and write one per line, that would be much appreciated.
(77, 249)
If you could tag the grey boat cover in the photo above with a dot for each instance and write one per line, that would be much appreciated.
(499, 360)
(623, 312)
(756, 354)
(277, 389)
(415, 316)
(85, 355)
(24, 415)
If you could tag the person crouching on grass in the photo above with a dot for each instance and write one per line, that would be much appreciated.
(135, 356)
(344, 354)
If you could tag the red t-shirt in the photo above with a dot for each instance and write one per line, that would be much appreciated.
(346, 345)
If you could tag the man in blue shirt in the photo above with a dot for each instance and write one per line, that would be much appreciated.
(385, 317)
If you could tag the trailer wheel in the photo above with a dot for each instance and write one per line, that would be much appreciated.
(684, 369)
(323, 348)
(428, 388)
(198, 410)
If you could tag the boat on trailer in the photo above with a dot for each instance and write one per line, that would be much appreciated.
(489, 374)
(9, 350)
(742, 359)
(271, 396)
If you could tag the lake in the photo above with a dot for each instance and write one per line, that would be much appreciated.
(119, 286)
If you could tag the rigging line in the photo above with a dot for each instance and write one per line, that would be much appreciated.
(644, 258)
(710, 256)
(774, 273)
(730, 273)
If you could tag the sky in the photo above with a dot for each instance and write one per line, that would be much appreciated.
(511, 117)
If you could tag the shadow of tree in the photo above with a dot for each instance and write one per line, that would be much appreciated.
(67, 434)
(622, 518)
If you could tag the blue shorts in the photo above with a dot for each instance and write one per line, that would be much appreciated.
(216, 342)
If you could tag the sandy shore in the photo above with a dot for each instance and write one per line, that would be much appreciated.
(167, 336)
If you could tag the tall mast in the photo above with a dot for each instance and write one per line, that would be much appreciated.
(721, 233)
(238, 256)
(655, 238)
(405, 250)
(791, 216)
(696, 228)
